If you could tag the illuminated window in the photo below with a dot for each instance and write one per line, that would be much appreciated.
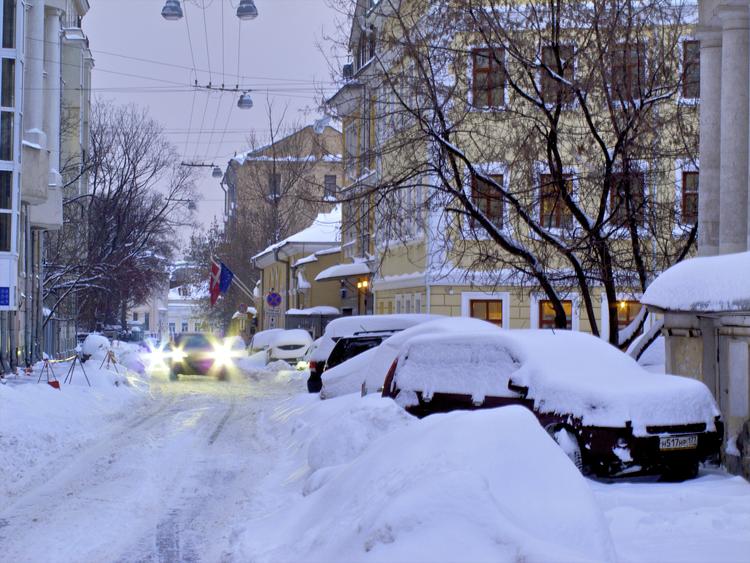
(490, 310)
(554, 213)
(547, 314)
(626, 312)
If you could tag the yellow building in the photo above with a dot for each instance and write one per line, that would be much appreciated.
(437, 116)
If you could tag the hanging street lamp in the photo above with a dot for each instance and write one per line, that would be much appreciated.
(172, 11)
(245, 101)
(247, 10)
(216, 172)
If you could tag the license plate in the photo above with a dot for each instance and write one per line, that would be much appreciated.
(678, 442)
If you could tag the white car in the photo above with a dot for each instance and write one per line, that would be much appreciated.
(261, 340)
(289, 345)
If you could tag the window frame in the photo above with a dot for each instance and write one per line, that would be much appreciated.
(486, 303)
(546, 324)
(695, 194)
(492, 104)
(546, 78)
(684, 68)
(560, 210)
(614, 196)
(488, 199)
(641, 66)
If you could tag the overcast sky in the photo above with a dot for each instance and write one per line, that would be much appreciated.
(279, 58)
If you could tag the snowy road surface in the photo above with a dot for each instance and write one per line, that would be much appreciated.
(194, 471)
(163, 484)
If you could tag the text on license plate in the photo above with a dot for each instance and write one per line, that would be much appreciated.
(678, 442)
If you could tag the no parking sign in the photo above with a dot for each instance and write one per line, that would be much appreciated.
(273, 299)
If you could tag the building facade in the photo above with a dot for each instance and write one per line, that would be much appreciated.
(39, 39)
(446, 240)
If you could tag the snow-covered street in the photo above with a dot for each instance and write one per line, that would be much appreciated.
(257, 470)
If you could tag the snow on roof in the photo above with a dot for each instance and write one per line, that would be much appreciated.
(327, 251)
(703, 284)
(343, 271)
(319, 310)
(194, 291)
(326, 228)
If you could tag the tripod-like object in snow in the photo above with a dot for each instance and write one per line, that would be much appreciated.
(69, 375)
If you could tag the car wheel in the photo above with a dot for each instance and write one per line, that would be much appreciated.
(568, 443)
(223, 376)
(173, 375)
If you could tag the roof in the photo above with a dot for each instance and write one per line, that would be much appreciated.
(343, 271)
(324, 231)
(709, 284)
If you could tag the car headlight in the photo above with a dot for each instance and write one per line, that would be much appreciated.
(178, 355)
(222, 356)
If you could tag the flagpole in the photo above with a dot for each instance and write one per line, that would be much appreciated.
(240, 284)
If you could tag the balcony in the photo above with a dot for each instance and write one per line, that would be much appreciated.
(35, 174)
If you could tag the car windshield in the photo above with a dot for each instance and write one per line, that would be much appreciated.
(193, 342)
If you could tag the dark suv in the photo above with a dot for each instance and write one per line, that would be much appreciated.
(198, 354)
(345, 349)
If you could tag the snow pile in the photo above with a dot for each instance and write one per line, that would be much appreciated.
(579, 374)
(707, 284)
(292, 337)
(343, 271)
(40, 424)
(488, 485)
(325, 228)
(130, 356)
(95, 346)
(468, 364)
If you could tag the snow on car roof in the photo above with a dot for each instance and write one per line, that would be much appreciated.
(579, 374)
(292, 336)
(474, 363)
(264, 337)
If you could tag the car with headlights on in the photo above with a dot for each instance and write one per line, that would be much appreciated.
(608, 414)
(195, 353)
(289, 345)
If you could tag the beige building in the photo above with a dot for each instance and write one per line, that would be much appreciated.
(421, 261)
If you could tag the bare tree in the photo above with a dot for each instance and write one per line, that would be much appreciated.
(118, 237)
(535, 142)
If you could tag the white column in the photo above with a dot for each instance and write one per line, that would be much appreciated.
(735, 105)
(34, 80)
(52, 87)
(710, 139)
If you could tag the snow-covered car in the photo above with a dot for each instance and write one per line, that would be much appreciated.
(261, 340)
(348, 327)
(609, 415)
(195, 353)
(289, 345)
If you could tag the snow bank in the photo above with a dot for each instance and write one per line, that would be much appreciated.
(706, 283)
(465, 486)
(576, 373)
(39, 424)
(319, 310)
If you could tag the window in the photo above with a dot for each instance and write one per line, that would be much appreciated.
(554, 213)
(6, 210)
(6, 135)
(135, 316)
(488, 199)
(8, 95)
(627, 71)
(628, 188)
(690, 197)
(172, 328)
(184, 327)
(490, 310)
(351, 144)
(417, 302)
(9, 24)
(547, 314)
(691, 69)
(329, 186)
(274, 185)
(626, 312)
(488, 77)
(146, 319)
(550, 86)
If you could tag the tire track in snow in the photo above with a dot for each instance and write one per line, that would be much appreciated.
(222, 422)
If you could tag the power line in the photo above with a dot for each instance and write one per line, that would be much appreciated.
(208, 50)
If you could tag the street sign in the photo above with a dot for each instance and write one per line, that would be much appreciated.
(273, 299)
(4, 296)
